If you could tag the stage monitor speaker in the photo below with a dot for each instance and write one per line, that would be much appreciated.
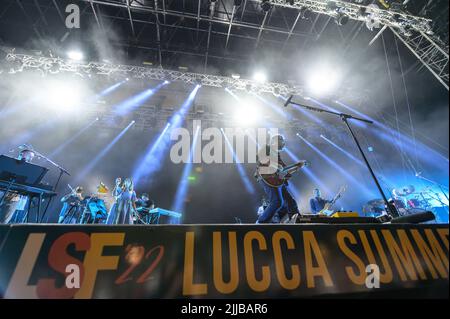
(414, 218)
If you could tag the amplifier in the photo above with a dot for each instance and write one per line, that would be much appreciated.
(344, 214)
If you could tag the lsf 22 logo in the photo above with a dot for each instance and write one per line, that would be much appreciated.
(80, 275)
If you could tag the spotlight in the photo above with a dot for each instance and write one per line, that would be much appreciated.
(236, 76)
(166, 82)
(305, 13)
(322, 81)
(362, 12)
(127, 79)
(260, 77)
(62, 97)
(341, 19)
(246, 115)
(266, 5)
(75, 55)
(332, 6)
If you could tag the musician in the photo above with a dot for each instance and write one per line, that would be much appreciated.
(144, 205)
(14, 205)
(117, 191)
(264, 204)
(126, 204)
(280, 200)
(71, 206)
(26, 154)
(317, 203)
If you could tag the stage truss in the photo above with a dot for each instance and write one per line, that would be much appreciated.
(48, 65)
(432, 55)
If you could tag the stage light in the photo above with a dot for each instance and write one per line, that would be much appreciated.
(166, 82)
(75, 55)
(136, 101)
(260, 77)
(108, 91)
(127, 79)
(152, 160)
(246, 115)
(266, 5)
(322, 81)
(332, 6)
(342, 19)
(236, 76)
(305, 13)
(61, 97)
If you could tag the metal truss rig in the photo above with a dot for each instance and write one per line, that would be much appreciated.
(49, 65)
(433, 56)
(370, 14)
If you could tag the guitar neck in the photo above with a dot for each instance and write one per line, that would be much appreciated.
(292, 166)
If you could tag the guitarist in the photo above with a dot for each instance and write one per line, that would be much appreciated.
(280, 200)
(317, 203)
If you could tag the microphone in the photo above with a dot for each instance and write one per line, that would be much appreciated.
(288, 101)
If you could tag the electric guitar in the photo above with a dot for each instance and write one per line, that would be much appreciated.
(282, 174)
(327, 208)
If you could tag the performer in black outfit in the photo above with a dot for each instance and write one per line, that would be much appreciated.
(317, 203)
(71, 209)
(144, 205)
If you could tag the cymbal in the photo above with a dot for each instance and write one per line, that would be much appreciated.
(375, 202)
(404, 191)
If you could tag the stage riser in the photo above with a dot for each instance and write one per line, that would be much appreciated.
(266, 261)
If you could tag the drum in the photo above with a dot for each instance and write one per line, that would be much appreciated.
(398, 203)
(414, 203)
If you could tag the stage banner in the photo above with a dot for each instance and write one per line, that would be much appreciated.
(221, 261)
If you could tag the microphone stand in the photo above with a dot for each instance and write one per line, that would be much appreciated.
(345, 117)
(62, 171)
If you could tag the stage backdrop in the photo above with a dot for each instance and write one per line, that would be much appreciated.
(220, 261)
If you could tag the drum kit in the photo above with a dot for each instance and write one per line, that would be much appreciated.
(407, 200)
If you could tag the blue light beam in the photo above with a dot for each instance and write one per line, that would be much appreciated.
(102, 154)
(248, 185)
(183, 186)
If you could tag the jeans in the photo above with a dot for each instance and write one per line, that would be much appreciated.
(281, 202)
